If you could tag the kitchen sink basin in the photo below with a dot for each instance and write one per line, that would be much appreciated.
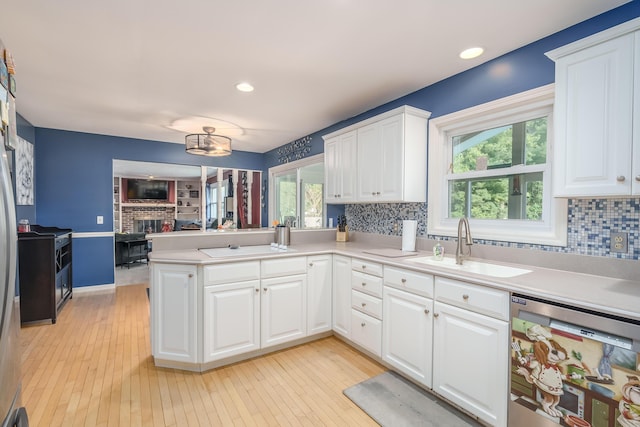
(243, 251)
(470, 266)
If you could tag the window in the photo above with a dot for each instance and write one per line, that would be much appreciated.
(297, 193)
(492, 164)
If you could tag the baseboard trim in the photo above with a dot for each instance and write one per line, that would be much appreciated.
(95, 288)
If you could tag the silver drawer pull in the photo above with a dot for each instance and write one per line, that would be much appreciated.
(364, 304)
(190, 275)
(465, 297)
(310, 264)
(403, 280)
(638, 178)
(364, 284)
(364, 266)
(620, 178)
(257, 290)
(435, 315)
(363, 324)
(265, 289)
(426, 311)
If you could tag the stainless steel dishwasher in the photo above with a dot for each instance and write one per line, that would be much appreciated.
(572, 367)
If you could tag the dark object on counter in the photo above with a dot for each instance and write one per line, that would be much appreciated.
(342, 223)
(44, 261)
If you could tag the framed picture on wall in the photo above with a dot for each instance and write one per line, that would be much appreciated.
(24, 172)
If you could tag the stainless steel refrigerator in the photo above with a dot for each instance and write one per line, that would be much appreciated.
(11, 411)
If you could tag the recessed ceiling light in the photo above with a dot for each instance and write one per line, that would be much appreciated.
(472, 52)
(244, 87)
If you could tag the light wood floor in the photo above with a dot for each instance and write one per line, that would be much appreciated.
(94, 368)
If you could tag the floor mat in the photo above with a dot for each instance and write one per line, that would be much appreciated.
(393, 401)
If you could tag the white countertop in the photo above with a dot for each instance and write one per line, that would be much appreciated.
(602, 294)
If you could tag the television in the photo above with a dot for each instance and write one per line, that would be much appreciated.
(146, 189)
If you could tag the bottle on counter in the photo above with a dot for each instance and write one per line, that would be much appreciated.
(438, 251)
(24, 226)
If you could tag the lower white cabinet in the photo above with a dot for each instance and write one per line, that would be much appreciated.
(407, 333)
(283, 309)
(366, 331)
(231, 319)
(319, 279)
(342, 295)
(470, 364)
(174, 312)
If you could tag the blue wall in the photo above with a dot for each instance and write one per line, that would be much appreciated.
(73, 170)
(74, 184)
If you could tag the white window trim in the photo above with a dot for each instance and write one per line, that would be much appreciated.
(552, 230)
(276, 170)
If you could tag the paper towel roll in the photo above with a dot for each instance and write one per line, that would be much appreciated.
(409, 230)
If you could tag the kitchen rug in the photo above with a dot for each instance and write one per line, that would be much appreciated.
(393, 401)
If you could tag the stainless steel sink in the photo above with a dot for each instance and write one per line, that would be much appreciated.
(475, 267)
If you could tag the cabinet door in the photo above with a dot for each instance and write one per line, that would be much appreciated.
(283, 309)
(471, 362)
(342, 295)
(407, 333)
(369, 172)
(173, 316)
(593, 126)
(392, 154)
(319, 294)
(332, 176)
(348, 167)
(231, 318)
(636, 120)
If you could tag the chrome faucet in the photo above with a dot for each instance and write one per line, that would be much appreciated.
(468, 241)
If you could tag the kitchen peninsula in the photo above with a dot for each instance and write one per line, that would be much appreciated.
(210, 311)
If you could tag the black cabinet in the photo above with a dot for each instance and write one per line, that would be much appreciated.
(45, 272)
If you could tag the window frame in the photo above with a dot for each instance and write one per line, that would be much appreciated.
(552, 229)
(288, 167)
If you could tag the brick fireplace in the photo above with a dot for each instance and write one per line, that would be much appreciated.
(146, 219)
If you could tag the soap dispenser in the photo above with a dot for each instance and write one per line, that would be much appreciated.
(438, 251)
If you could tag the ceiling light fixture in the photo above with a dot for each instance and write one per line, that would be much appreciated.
(244, 87)
(471, 53)
(207, 144)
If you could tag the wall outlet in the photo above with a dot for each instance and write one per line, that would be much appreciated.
(619, 243)
(100, 219)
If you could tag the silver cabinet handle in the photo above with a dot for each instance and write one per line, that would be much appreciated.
(364, 266)
(310, 264)
(403, 280)
(373, 193)
(426, 311)
(435, 315)
(265, 289)
(638, 178)
(363, 324)
(190, 275)
(364, 284)
(465, 297)
(620, 178)
(377, 193)
(257, 290)
(364, 304)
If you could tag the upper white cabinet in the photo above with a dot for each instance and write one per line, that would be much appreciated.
(391, 153)
(597, 128)
(340, 168)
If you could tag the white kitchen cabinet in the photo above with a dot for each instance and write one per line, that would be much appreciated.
(392, 157)
(366, 332)
(470, 355)
(174, 315)
(319, 280)
(597, 104)
(342, 295)
(366, 300)
(391, 153)
(231, 319)
(340, 168)
(407, 334)
(283, 309)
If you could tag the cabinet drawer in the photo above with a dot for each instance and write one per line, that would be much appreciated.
(366, 267)
(283, 267)
(366, 303)
(410, 281)
(231, 273)
(492, 302)
(366, 283)
(367, 332)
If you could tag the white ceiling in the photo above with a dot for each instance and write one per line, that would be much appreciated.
(133, 67)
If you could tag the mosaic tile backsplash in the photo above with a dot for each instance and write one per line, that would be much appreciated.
(590, 223)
